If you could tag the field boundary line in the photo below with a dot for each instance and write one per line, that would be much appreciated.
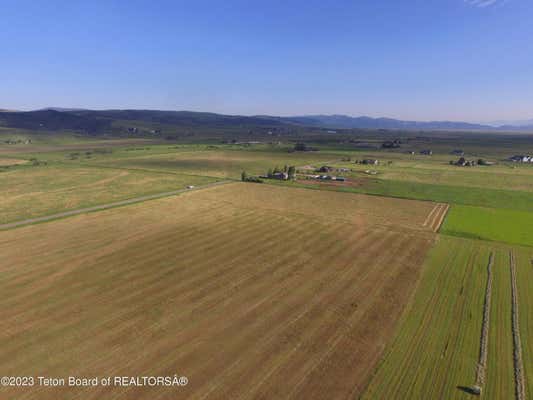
(483, 345)
(101, 207)
(520, 393)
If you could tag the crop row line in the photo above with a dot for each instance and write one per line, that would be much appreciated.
(483, 347)
(436, 225)
(520, 393)
(430, 215)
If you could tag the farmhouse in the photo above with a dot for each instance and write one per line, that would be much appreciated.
(427, 152)
(462, 162)
(521, 159)
(391, 144)
(370, 161)
(327, 177)
(280, 175)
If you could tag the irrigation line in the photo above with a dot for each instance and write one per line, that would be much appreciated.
(520, 393)
(483, 346)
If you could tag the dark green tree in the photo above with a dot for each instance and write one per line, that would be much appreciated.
(300, 147)
(291, 171)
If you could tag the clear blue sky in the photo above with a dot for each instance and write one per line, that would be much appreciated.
(417, 59)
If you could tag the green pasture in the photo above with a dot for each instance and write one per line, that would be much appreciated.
(435, 352)
(502, 225)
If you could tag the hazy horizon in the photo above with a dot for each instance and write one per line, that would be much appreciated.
(461, 60)
(494, 123)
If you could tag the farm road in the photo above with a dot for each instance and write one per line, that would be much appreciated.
(100, 207)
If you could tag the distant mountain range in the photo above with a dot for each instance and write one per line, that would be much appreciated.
(100, 121)
(518, 123)
(346, 122)
(138, 122)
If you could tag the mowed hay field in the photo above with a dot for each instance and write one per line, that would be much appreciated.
(36, 191)
(436, 349)
(251, 291)
(218, 163)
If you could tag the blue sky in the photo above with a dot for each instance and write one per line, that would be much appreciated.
(418, 59)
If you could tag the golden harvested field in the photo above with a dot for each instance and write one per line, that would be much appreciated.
(11, 161)
(250, 291)
(219, 163)
(34, 192)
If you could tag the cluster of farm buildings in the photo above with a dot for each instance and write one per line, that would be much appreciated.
(463, 162)
(521, 159)
(19, 141)
(327, 177)
(325, 174)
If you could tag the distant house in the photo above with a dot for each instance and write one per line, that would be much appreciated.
(462, 162)
(283, 176)
(458, 152)
(427, 152)
(391, 144)
(521, 159)
(325, 168)
(370, 161)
